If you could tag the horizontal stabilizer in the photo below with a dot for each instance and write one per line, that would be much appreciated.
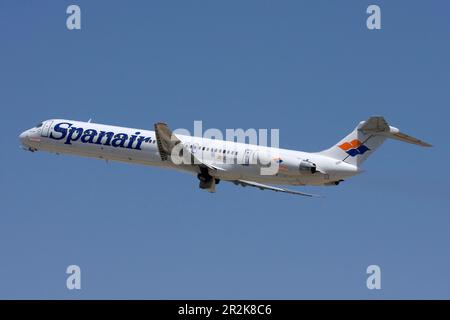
(374, 125)
(357, 146)
(406, 138)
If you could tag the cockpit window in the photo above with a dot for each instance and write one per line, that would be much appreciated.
(39, 125)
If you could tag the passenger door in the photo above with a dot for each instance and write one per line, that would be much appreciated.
(246, 161)
(46, 128)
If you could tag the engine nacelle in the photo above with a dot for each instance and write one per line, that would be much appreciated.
(307, 166)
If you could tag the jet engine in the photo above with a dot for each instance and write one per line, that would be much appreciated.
(307, 166)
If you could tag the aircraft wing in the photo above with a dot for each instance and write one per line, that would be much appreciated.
(166, 141)
(261, 186)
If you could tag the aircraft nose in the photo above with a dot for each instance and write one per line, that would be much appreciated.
(23, 136)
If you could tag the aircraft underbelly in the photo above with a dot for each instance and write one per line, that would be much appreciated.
(145, 157)
(254, 173)
(150, 156)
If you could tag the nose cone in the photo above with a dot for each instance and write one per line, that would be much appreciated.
(23, 136)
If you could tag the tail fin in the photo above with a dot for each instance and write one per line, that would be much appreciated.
(365, 139)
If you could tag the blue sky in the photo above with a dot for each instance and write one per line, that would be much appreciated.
(310, 68)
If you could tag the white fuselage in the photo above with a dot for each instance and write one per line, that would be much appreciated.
(235, 160)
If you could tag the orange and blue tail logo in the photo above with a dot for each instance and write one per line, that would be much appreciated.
(354, 147)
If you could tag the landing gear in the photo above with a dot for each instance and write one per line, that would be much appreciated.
(207, 181)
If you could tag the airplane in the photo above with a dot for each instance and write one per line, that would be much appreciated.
(213, 160)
